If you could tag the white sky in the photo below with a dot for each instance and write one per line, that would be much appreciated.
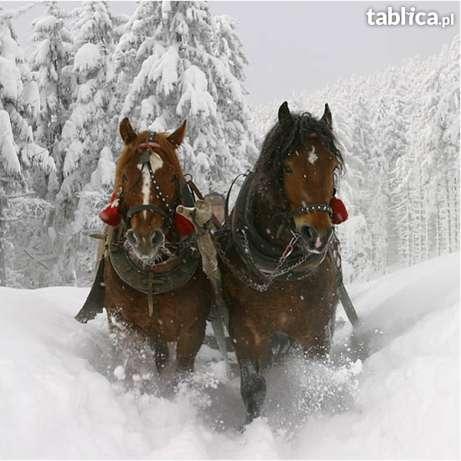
(302, 46)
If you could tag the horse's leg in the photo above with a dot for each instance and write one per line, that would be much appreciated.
(251, 348)
(189, 342)
(252, 388)
(161, 353)
(316, 343)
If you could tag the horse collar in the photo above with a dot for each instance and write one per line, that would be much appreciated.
(261, 257)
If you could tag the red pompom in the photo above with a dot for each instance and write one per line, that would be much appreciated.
(183, 225)
(339, 211)
(111, 214)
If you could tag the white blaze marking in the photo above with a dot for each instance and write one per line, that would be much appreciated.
(156, 163)
(312, 157)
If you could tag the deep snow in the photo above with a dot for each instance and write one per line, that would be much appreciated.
(395, 398)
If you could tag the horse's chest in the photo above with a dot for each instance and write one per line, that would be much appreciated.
(285, 306)
(170, 311)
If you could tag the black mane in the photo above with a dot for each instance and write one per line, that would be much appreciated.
(278, 144)
(281, 141)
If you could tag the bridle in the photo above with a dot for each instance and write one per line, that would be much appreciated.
(183, 256)
(165, 209)
(260, 257)
(313, 208)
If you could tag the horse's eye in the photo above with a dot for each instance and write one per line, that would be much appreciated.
(287, 169)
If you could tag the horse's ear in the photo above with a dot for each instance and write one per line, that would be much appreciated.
(126, 131)
(285, 118)
(326, 117)
(177, 137)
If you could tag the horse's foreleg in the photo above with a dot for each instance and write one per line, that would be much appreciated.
(161, 353)
(252, 388)
(189, 342)
(251, 347)
(317, 346)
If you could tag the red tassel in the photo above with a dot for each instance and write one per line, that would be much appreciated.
(339, 211)
(183, 225)
(111, 214)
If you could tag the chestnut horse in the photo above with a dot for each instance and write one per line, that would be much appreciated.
(279, 275)
(153, 279)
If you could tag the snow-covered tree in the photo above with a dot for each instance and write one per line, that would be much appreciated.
(86, 133)
(23, 163)
(50, 57)
(188, 75)
(19, 107)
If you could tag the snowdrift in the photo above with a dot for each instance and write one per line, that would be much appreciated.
(395, 397)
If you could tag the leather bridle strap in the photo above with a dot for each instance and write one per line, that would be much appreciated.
(150, 207)
(313, 208)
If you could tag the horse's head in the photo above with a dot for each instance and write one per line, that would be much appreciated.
(309, 162)
(147, 179)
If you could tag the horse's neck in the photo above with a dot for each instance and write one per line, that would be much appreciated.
(267, 213)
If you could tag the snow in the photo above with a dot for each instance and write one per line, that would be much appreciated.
(31, 97)
(88, 58)
(46, 24)
(8, 151)
(10, 80)
(195, 97)
(398, 398)
(34, 154)
(165, 69)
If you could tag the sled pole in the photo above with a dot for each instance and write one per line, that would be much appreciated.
(217, 323)
(347, 304)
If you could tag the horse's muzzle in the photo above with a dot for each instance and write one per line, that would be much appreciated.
(146, 247)
(313, 240)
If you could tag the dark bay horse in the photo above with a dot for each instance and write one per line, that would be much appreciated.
(153, 279)
(279, 275)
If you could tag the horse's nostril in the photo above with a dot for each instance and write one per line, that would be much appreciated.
(132, 237)
(157, 238)
(308, 233)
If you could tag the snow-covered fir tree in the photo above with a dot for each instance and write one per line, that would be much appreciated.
(19, 108)
(23, 163)
(51, 55)
(134, 46)
(85, 135)
(188, 75)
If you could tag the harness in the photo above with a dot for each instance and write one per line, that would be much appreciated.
(185, 194)
(178, 270)
(264, 261)
(162, 278)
